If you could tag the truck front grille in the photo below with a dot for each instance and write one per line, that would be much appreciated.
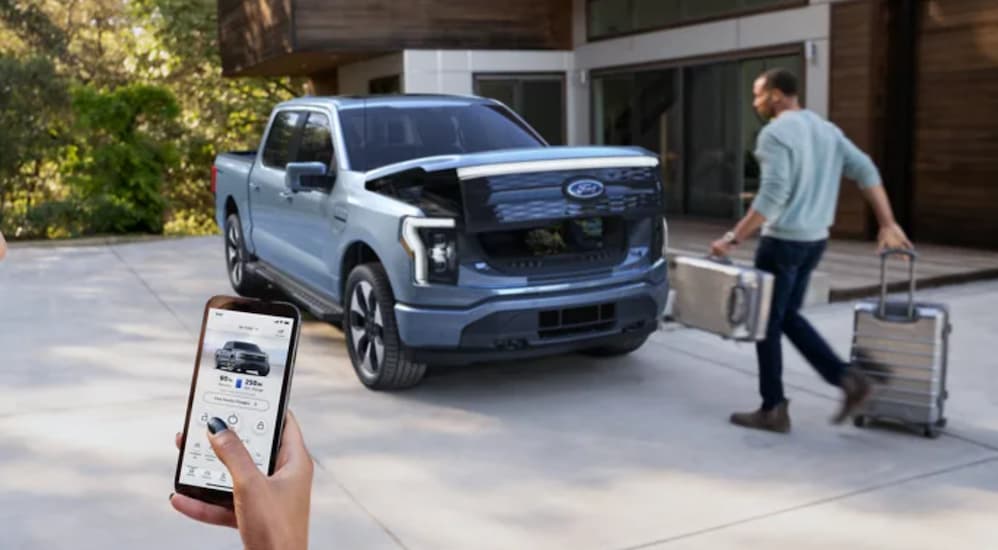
(555, 323)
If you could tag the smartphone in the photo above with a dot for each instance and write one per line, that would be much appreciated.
(242, 374)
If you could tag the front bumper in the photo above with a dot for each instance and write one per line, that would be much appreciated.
(531, 326)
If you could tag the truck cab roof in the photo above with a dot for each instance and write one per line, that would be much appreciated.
(355, 101)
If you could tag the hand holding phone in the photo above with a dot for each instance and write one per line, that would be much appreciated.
(270, 512)
(237, 438)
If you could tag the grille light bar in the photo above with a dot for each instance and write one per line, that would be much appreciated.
(472, 172)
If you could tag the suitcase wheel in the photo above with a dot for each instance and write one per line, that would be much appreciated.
(930, 431)
(859, 421)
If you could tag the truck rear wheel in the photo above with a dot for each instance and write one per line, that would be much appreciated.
(242, 281)
(376, 351)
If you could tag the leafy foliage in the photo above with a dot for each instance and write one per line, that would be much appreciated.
(111, 114)
(121, 170)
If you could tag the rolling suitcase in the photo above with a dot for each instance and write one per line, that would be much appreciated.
(903, 348)
(717, 296)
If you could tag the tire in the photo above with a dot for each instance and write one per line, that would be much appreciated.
(376, 351)
(627, 344)
(236, 257)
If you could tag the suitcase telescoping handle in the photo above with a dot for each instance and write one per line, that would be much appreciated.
(912, 256)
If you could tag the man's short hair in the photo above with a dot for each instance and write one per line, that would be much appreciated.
(782, 80)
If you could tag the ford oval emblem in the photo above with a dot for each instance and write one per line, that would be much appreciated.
(585, 189)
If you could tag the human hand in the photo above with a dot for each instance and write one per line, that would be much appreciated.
(892, 236)
(721, 248)
(270, 512)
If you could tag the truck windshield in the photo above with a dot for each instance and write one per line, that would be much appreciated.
(245, 347)
(383, 135)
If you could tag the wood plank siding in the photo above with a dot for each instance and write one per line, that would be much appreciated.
(956, 140)
(857, 57)
(251, 32)
(299, 37)
(352, 25)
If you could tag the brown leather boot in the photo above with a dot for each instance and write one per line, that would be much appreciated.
(857, 389)
(775, 420)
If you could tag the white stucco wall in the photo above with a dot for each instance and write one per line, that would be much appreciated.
(354, 78)
(450, 71)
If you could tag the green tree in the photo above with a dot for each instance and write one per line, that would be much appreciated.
(122, 165)
(34, 103)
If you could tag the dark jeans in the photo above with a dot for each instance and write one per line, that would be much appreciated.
(791, 264)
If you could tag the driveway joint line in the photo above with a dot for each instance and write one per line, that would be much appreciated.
(812, 504)
(366, 511)
(151, 291)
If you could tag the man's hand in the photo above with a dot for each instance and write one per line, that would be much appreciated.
(892, 236)
(269, 512)
(721, 248)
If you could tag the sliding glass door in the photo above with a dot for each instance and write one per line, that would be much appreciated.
(699, 119)
(643, 109)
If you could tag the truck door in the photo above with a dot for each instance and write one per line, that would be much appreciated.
(268, 195)
(308, 213)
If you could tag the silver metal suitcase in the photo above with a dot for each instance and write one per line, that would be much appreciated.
(719, 297)
(903, 348)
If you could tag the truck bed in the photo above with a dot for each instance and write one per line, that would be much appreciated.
(232, 180)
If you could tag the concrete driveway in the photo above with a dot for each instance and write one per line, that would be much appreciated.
(96, 349)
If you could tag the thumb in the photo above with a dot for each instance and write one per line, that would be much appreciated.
(231, 451)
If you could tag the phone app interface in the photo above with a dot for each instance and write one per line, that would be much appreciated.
(239, 379)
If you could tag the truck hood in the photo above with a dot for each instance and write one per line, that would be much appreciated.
(511, 161)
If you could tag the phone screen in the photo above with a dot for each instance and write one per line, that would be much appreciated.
(240, 375)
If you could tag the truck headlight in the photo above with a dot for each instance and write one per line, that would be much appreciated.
(665, 238)
(432, 244)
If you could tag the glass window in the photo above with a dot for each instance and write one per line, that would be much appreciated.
(609, 17)
(316, 140)
(657, 13)
(381, 135)
(280, 139)
(539, 99)
(385, 85)
(710, 8)
(615, 17)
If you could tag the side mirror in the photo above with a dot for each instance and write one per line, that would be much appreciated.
(307, 176)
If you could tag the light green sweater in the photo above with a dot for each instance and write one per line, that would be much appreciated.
(802, 158)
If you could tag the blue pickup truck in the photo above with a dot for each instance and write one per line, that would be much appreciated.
(443, 230)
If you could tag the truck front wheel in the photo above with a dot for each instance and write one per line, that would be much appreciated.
(243, 282)
(376, 351)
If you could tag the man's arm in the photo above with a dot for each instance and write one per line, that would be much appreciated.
(774, 192)
(859, 167)
(890, 235)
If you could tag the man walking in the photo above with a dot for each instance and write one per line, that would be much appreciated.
(802, 159)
